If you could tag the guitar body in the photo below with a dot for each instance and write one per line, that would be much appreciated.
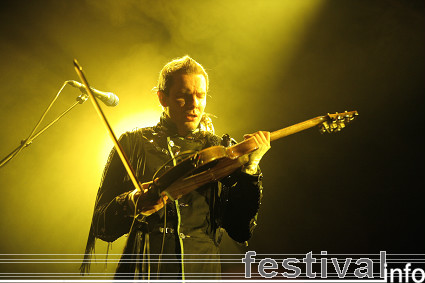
(204, 160)
(221, 169)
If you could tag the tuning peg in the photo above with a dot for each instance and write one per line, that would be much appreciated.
(336, 122)
(325, 128)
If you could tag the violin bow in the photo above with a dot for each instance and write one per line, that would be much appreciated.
(99, 111)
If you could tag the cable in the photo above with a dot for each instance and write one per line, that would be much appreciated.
(176, 202)
(173, 160)
(163, 240)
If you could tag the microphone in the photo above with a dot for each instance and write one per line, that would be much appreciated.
(108, 98)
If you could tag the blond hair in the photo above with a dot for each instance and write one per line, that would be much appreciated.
(185, 65)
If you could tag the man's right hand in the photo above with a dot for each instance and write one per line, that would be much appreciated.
(146, 203)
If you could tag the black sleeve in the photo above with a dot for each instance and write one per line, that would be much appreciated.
(240, 200)
(112, 215)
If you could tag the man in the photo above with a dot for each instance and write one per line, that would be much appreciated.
(168, 242)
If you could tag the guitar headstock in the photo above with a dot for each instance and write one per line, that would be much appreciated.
(336, 122)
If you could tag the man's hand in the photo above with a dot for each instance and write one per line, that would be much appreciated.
(144, 202)
(263, 140)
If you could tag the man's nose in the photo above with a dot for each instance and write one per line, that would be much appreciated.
(192, 101)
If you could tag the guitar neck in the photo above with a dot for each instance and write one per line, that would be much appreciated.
(330, 123)
(296, 128)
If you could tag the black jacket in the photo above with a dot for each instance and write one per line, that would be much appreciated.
(194, 223)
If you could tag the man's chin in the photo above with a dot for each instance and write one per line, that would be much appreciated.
(190, 126)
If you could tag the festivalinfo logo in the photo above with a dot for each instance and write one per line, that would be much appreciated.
(335, 268)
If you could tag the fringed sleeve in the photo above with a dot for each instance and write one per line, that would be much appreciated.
(112, 216)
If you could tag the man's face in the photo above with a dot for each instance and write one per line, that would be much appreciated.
(186, 101)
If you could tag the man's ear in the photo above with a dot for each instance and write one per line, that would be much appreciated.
(162, 98)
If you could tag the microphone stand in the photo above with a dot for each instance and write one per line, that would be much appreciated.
(26, 142)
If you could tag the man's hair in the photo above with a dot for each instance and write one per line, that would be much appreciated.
(185, 65)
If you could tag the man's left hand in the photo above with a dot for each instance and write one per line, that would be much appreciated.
(263, 140)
